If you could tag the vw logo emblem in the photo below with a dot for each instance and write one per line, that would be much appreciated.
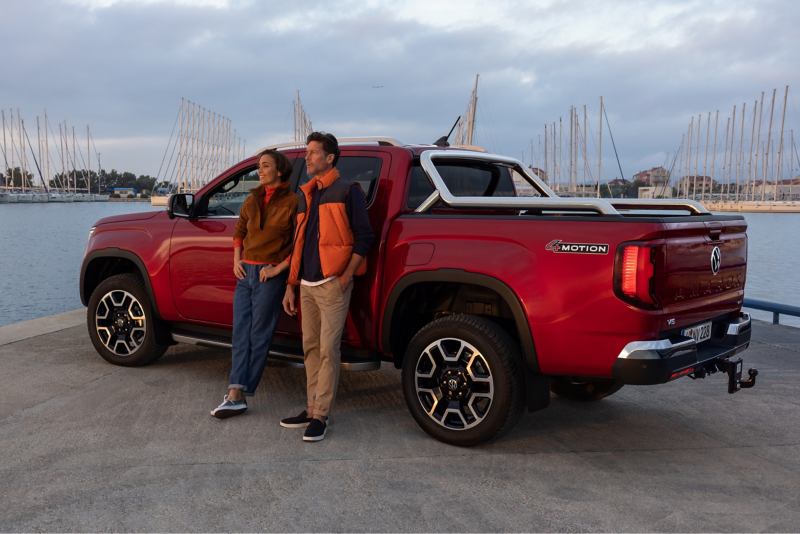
(716, 260)
(452, 384)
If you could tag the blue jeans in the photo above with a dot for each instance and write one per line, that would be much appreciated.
(256, 308)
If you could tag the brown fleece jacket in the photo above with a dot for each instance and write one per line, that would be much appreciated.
(267, 234)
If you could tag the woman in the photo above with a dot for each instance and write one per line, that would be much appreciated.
(261, 244)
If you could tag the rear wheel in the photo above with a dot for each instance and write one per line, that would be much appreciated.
(121, 323)
(572, 389)
(463, 380)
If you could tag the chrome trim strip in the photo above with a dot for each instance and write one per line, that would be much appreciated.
(656, 204)
(649, 350)
(372, 365)
(345, 140)
(734, 329)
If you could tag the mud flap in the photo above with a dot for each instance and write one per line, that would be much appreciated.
(537, 391)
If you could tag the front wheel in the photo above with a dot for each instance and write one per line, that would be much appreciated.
(463, 380)
(121, 323)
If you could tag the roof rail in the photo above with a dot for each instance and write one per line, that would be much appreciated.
(383, 141)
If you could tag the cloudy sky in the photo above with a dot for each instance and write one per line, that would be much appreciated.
(122, 66)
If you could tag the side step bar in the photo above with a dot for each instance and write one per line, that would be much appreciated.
(221, 342)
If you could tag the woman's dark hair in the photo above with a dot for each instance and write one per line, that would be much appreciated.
(329, 144)
(282, 163)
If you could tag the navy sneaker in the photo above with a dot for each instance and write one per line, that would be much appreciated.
(316, 430)
(229, 408)
(296, 422)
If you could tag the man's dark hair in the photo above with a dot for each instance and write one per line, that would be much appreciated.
(329, 144)
(282, 163)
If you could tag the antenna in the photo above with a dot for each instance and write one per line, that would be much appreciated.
(442, 141)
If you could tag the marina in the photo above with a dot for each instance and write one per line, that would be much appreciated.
(60, 230)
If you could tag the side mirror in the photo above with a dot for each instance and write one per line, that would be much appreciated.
(180, 205)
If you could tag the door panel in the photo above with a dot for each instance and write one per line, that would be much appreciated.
(201, 269)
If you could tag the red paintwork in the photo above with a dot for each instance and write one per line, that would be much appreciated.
(578, 324)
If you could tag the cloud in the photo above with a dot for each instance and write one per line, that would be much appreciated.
(123, 66)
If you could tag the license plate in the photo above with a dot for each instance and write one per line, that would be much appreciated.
(700, 332)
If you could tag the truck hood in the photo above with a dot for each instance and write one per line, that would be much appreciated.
(141, 216)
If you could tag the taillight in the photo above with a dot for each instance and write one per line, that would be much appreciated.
(634, 278)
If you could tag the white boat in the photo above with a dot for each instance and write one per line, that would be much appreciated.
(77, 197)
(41, 197)
(3, 198)
(100, 197)
(158, 201)
(88, 197)
(12, 198)
(24, 198)
(57, 197)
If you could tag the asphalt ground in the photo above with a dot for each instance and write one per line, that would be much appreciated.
(87, 446)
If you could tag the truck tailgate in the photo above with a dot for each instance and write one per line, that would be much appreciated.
(705, 269)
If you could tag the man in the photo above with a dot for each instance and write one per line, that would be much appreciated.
(332, 237)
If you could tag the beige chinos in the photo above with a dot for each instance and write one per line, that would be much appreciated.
(324, 312)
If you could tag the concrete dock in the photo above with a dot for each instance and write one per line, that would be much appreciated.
(87, 446)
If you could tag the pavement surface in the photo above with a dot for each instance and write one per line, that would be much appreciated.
(87, 446)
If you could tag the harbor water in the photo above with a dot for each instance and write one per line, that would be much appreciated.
(42, 246)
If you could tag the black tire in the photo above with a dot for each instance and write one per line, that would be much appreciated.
(488, 393)
(132, 341)
(566, 388)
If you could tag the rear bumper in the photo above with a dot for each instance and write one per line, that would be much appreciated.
(657, 362)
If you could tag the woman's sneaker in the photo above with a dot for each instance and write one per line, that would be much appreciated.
(229, 408)
(316, 430)
(296, 422)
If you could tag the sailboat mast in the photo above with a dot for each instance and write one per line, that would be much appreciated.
(89, 163)
(750, 157)
(766, 150)
(180, 149)
(780, 145)
(739, 157)
(74, 161)
(584, 149)
(730, 160)
(571, 135)
(696, 154)
(11, 134)
(22, 167)
(39, 145)
(758, 145)
(5, 151)
(724, 159)
(46, 146)
(600, 149)
(705, 160)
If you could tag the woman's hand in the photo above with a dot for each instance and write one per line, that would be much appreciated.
(238, 269)
(267, 272)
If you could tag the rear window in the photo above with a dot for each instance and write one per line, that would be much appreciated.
(463, 180)
(362, 169)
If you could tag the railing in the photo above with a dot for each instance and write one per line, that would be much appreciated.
(774, 307)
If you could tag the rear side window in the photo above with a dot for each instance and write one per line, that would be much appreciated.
(362, 169)
(463, 180)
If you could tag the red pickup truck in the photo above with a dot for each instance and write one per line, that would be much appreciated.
(486, 299)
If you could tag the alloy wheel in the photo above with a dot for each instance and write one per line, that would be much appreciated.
(120, 322)
(454, 383)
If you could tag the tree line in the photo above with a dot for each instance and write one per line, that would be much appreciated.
(78, 180)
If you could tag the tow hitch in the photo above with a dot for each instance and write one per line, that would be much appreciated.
(734, 370)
